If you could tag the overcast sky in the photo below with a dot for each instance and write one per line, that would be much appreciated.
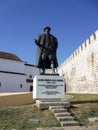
(71, 21)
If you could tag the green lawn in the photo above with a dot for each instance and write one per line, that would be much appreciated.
(83, 107)
(16, 117)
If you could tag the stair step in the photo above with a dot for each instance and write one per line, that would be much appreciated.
(55, 107)
(65, 118)
(69, 123)
(59, 110)
(62, 114)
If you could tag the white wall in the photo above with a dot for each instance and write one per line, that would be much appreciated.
(11, 66)
(13, 74)
(11, 83)
(30, 72)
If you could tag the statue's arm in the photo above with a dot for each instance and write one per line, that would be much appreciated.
(37, 41)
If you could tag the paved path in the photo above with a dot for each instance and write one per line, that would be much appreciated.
(95, 127)
(6, 94)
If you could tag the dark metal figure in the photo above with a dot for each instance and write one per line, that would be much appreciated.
(46, 51)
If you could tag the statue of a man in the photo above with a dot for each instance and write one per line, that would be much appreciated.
(46, 52)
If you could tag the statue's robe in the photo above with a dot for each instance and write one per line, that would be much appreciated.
(41, 39)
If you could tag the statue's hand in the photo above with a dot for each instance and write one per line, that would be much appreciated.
(35, 40)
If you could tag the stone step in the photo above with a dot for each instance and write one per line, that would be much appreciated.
(58, 110)
(55, 107)
(62, 114)
(66, 118)
(69, 123)
(45, 104)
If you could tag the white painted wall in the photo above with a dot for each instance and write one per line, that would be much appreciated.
(30, 70)
(11, 66)
(12, 82)
(13, 74)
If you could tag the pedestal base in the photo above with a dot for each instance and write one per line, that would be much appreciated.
(48, 87)
(48, 90)
(45, 104)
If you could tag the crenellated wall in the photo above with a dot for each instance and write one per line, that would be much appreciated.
(81, 68)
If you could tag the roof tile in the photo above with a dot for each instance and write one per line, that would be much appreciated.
(9, 56)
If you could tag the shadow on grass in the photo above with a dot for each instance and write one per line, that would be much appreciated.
(83, 102)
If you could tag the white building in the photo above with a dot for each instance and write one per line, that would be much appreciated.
(15, 75)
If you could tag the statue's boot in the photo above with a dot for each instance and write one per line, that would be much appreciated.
(41, 70)
(53, 69)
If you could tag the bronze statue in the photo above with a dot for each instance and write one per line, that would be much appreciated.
(46, 51)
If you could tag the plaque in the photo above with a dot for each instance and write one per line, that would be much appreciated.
(48, 87)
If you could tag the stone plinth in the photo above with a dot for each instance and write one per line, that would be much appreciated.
(48, 87)
(45, 104)
(48, 90)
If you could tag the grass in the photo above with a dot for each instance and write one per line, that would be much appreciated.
(83, 107)
(16, 117)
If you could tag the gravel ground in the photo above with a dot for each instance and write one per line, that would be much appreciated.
(95, 127)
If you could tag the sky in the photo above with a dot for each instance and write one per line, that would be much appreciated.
(21, 21)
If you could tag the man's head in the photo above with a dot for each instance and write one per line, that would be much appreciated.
(47, 28)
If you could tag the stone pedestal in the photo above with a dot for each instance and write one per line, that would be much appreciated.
(48, 89)
(45, 104)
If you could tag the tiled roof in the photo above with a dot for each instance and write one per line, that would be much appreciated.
(9, 56)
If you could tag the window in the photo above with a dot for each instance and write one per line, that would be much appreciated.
(31, 88)
(0, 84)
(20, 85)
(30, 76)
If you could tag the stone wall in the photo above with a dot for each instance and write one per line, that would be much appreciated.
(81, 68)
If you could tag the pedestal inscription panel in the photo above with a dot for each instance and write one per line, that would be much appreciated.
(48, 87)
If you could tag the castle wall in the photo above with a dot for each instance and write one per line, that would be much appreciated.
(81, 68)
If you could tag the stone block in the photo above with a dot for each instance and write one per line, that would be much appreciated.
(45, 104)
(48, 87)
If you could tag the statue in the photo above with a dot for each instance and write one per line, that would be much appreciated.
(46, 51)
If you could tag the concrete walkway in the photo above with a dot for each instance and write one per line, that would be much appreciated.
(12, 93)
(95, 127)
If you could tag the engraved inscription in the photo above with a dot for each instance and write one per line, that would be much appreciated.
(51, 92)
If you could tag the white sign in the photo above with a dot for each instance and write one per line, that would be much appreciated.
(48, 86)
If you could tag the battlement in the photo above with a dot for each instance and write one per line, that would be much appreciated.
(80, 70)
(89, 43)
